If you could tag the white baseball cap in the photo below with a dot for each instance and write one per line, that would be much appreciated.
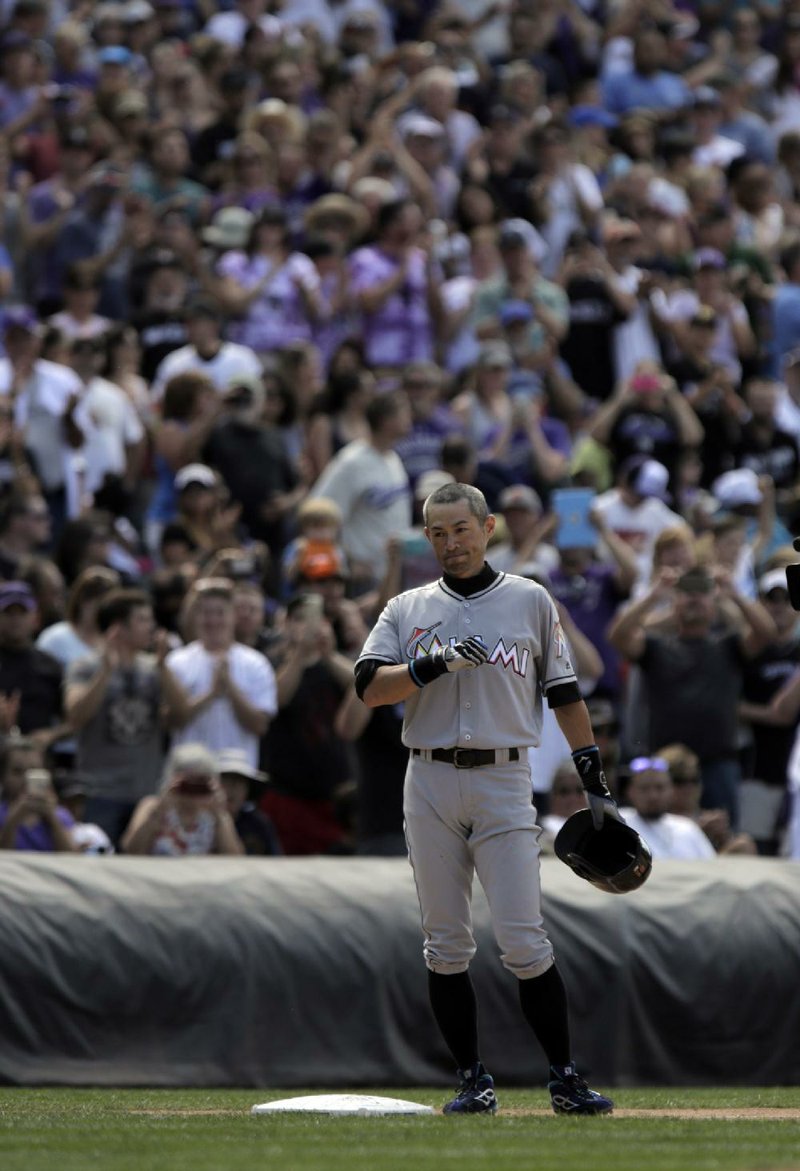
(195, 474)
(737, 488)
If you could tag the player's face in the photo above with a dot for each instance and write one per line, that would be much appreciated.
(458, 538)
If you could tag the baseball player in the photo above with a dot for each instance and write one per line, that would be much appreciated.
(472, 654)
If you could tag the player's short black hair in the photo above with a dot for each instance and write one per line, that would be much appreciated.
(452, 493)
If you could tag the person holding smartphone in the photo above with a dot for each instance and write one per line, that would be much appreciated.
(30, 816)
(190, 814)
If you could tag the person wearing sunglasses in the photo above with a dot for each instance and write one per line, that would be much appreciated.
(650, 794)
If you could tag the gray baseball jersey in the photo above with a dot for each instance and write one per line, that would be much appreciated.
(497, 705)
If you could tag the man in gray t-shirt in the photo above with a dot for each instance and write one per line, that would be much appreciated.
(115, 701)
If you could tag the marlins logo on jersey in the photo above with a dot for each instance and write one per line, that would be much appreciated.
(414, 646)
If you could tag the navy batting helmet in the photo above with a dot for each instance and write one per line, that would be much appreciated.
(614, 858)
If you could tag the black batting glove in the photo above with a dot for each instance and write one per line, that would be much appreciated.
(590, 769)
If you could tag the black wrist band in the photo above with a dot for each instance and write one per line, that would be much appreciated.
(426, 669)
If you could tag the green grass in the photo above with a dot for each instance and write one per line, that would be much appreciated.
(71, 1130)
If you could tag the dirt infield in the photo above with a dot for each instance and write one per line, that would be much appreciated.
(722, 1114)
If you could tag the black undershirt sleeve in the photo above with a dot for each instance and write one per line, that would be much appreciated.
(365, 672)
(564, 693)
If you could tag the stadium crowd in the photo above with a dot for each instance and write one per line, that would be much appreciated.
(273, 270)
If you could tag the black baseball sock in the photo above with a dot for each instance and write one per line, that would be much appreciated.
(544, 1003)
(456, 1011)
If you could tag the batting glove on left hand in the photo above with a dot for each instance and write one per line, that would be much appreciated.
(598, 795)
(466, 655)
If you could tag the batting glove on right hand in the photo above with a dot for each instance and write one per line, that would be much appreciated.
(466, 655)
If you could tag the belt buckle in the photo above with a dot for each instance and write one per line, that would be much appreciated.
(464, 754)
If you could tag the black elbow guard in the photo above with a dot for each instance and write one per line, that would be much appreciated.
(365, 672)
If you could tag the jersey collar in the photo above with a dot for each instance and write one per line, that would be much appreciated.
(465, 587)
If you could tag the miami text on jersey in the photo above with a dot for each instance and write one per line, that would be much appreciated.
(506, 656)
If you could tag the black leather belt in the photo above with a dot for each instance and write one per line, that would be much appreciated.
(468, 757)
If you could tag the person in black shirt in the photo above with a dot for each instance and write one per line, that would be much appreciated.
(243, 786)
(597, 305)
(381, 763)
(255, 464)
(213, 146)
(30, 680)
(762, 445)
(766, 759)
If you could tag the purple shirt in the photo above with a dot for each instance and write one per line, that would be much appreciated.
(592, 599)
(278, 315)
(419, 450)
(401, 330)
(36, 837)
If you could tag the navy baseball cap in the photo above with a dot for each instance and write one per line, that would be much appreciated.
(16, 593)
(20, 317)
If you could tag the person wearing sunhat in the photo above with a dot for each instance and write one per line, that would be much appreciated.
(243, 786)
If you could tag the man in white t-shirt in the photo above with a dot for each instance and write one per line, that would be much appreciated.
(114, 439)
(636, 510)
(231, 687)
(667, 834)
(368, 481)
(221, 361)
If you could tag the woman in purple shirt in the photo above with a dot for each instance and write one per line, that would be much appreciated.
(273, 291)
(396, 289)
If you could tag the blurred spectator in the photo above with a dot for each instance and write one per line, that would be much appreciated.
(243, 785)
(115, 700)
(527, 549)
(24, 530)
(30, 680)
(190, 815)
(567, 796)
(30, 816)
(636, 510)
(669, 835)
(206, 352)
(701, 710)
(307, 761)
(271, 290)
(395, 284)
(381, 763)
(254, 463)
(79, 635)
(230, 687)
(369, 483)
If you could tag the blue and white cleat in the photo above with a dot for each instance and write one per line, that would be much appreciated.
(475, 1094)
(570, 1094)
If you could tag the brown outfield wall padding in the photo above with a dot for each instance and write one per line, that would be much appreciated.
(308, 973)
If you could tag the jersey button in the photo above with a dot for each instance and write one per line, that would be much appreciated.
(467, 737)
(468, 621)
(466, 605)
(467, 705)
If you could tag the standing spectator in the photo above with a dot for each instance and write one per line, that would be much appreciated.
(24, 531)
(432, 420)
(307, 761)
(79, 635)
(370, 485)
(190, 815)
(207, 352)
(648, 85)
(30, 817)
(230, 688)
(78, 318)
(647, 416)
(272, 290)
(30, 680)
(253, 460)
(786, 311)
(522, 281)
(636, 509)
(669, 835)
(693, 676)
(394, 283)
(763, 446)
(45, 397)
(766, 758)
(165, 182)
(188, 413)
(597, 306)
(115, 698)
